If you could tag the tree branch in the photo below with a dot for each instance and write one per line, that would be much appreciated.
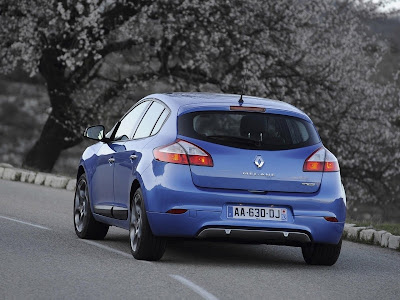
(121, 12)
(118, 46)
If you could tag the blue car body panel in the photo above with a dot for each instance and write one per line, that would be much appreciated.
(206, 192)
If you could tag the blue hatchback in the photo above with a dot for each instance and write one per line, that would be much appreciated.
(212, 166)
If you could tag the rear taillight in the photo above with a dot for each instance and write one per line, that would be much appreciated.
(184, 153)
(331, 163)
(173, 153)
(322, 160)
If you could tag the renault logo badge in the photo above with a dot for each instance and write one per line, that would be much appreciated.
(259, 161)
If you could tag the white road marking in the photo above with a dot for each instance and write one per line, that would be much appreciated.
(113, 250)
(199, 290)
(26, 223)
(107, 248)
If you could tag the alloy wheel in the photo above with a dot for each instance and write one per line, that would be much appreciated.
(81, 205)
(135, 231)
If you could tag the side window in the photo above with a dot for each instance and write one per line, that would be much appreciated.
(160, 121)
(129, 122)
(149, 120)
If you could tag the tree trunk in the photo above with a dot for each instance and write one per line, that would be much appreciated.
(55, 138)
(57, 133)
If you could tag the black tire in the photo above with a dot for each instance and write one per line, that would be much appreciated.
(86, 227)
(144, 245)
(321, 254)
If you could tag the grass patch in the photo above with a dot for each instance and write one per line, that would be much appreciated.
(17, 176)
(393, 228)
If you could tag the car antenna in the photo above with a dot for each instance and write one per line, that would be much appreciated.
(241, 99)
(243, 82)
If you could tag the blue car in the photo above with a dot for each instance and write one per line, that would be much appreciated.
(212, 166)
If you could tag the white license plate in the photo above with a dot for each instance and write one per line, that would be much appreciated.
(257, 213)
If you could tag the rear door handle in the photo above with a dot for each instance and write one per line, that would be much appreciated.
(111, 160)
(133, 157)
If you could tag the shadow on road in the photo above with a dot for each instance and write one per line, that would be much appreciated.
(218, 253)
(197, 253)
(225, 253)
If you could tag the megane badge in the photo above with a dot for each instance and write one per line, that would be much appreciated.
(259, 161)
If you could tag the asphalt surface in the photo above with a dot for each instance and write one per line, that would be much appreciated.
(42, 258)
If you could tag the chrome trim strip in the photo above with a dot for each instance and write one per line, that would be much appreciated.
(254, 235)
(308, 183)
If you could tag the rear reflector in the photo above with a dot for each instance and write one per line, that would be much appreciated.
(184, 153)
(176, 211)
(331, 219)
(321, 160)
(247, 108)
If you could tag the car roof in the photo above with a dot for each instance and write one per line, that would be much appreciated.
(180, 101)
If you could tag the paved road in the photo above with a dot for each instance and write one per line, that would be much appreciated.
(41, 258)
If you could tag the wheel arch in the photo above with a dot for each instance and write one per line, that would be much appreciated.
(135, 185)
(81, 170)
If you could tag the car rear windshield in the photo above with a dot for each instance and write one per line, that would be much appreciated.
(248, 130)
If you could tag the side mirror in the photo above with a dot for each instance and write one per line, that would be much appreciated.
(95, 132)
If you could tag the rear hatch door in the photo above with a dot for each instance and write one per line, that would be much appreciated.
(252, 151)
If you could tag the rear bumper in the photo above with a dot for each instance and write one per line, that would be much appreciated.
(206, 224)
(206, 215)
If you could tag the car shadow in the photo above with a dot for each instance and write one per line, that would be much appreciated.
(226, 253)
(190, 252)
